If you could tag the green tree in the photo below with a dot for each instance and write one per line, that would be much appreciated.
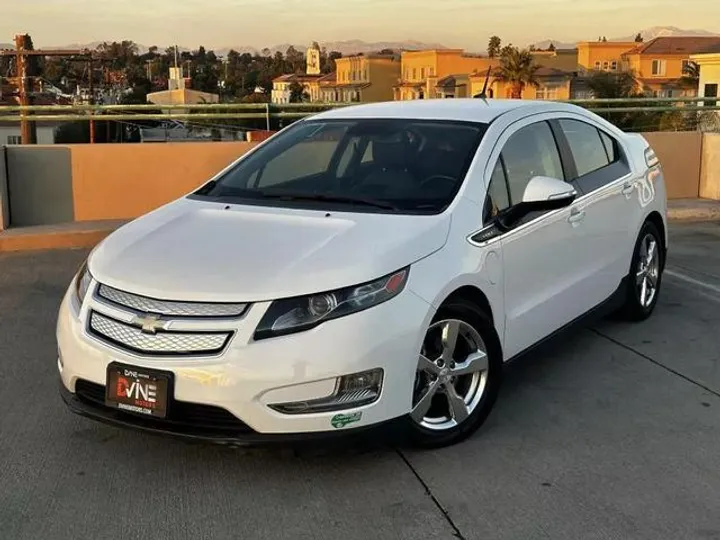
(494, 45)
(517, 68)
(298, 93)
(551, 47)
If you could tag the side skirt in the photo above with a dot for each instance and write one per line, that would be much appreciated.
(605, 308)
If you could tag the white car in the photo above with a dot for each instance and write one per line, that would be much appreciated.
(368, 266)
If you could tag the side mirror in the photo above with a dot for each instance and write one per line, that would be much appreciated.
(546, 193)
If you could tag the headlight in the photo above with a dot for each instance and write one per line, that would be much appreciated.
(305, 312)
(82, 283)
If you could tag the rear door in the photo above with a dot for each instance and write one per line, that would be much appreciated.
(609, 199)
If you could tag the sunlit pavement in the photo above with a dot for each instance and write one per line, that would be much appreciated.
(610, 432)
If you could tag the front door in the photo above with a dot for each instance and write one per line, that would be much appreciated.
(540, 252)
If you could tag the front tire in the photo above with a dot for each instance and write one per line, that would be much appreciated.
(458, 376)
(645, 278)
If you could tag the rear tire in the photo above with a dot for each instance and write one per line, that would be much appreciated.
(458, 377)
(645, 277)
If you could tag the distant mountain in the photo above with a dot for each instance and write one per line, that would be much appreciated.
(7, 46)
(558, 44)
(647, 34)
(353, 46)
(665, 31)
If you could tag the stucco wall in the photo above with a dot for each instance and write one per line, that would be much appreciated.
(680, 156)
(710, 172)
(40, 185)
(122, 181)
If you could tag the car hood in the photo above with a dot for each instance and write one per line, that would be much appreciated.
(197, 250)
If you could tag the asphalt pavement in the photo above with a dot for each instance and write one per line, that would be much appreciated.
(612, 431)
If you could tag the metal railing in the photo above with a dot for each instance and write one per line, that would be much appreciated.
(242, 111)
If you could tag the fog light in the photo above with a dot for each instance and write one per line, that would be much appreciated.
(350, 391)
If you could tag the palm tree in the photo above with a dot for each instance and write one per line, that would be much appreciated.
(691, 74)
(517, 68)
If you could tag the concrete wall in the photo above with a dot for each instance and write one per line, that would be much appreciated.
(680, 155)
(122, 181)
(4, 206)
(40, 185)
(710, 172)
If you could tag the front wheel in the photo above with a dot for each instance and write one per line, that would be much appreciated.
(457, 378)
(643, 287)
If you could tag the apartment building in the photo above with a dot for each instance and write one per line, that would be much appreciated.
(660, 64)
(422, 71)
(364, 78)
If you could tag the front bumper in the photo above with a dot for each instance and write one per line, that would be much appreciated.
(243, 435)
(249, 376)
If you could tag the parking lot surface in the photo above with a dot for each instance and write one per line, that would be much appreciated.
(611, 431)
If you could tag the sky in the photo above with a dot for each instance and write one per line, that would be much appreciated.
(261, 23)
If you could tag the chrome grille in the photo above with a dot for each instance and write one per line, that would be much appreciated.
(163, 343)
(170, 308)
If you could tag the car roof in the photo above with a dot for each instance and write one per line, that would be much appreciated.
(463, 109)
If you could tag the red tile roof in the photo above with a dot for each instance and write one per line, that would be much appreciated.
(678, 45)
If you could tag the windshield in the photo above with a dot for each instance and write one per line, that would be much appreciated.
(383, 165)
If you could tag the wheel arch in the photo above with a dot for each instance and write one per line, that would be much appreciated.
(656, 219)
(475, 296)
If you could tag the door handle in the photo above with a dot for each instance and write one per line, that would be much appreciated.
(576, 215)
(627, 189)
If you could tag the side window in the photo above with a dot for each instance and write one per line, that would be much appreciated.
(610, 147)
(498, 197)
(531, 151)
(588, 148)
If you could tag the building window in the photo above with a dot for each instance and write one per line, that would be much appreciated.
(422, 73)
(613, 66)
(365, 75)
(710, 91)
(606, 65)
(658, 68)
(685, 66)
(14, 139)
(546, 92)
(414, 74)
(597, 65)
(406, 71)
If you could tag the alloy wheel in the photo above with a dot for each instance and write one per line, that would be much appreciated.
(648, 271)
(451, 375)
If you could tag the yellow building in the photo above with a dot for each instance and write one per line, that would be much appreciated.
(422, 70)
(659, 65)
(364, 78)
(709, 63)
(602, 55)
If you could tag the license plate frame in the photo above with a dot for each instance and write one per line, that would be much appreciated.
(138, 390)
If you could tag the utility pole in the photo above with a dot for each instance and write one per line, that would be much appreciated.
(91, 88)
(28, 130)
(24, 82)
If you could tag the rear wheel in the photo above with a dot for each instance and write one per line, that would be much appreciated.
(643, 287)
(457, 378)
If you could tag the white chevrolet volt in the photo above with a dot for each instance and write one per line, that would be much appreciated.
(364, 267)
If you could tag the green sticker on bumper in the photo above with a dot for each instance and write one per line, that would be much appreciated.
(342, 420)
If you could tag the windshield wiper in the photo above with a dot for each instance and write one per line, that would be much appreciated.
(331, 198)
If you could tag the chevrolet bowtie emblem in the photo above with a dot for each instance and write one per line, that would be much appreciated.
(149, 323)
